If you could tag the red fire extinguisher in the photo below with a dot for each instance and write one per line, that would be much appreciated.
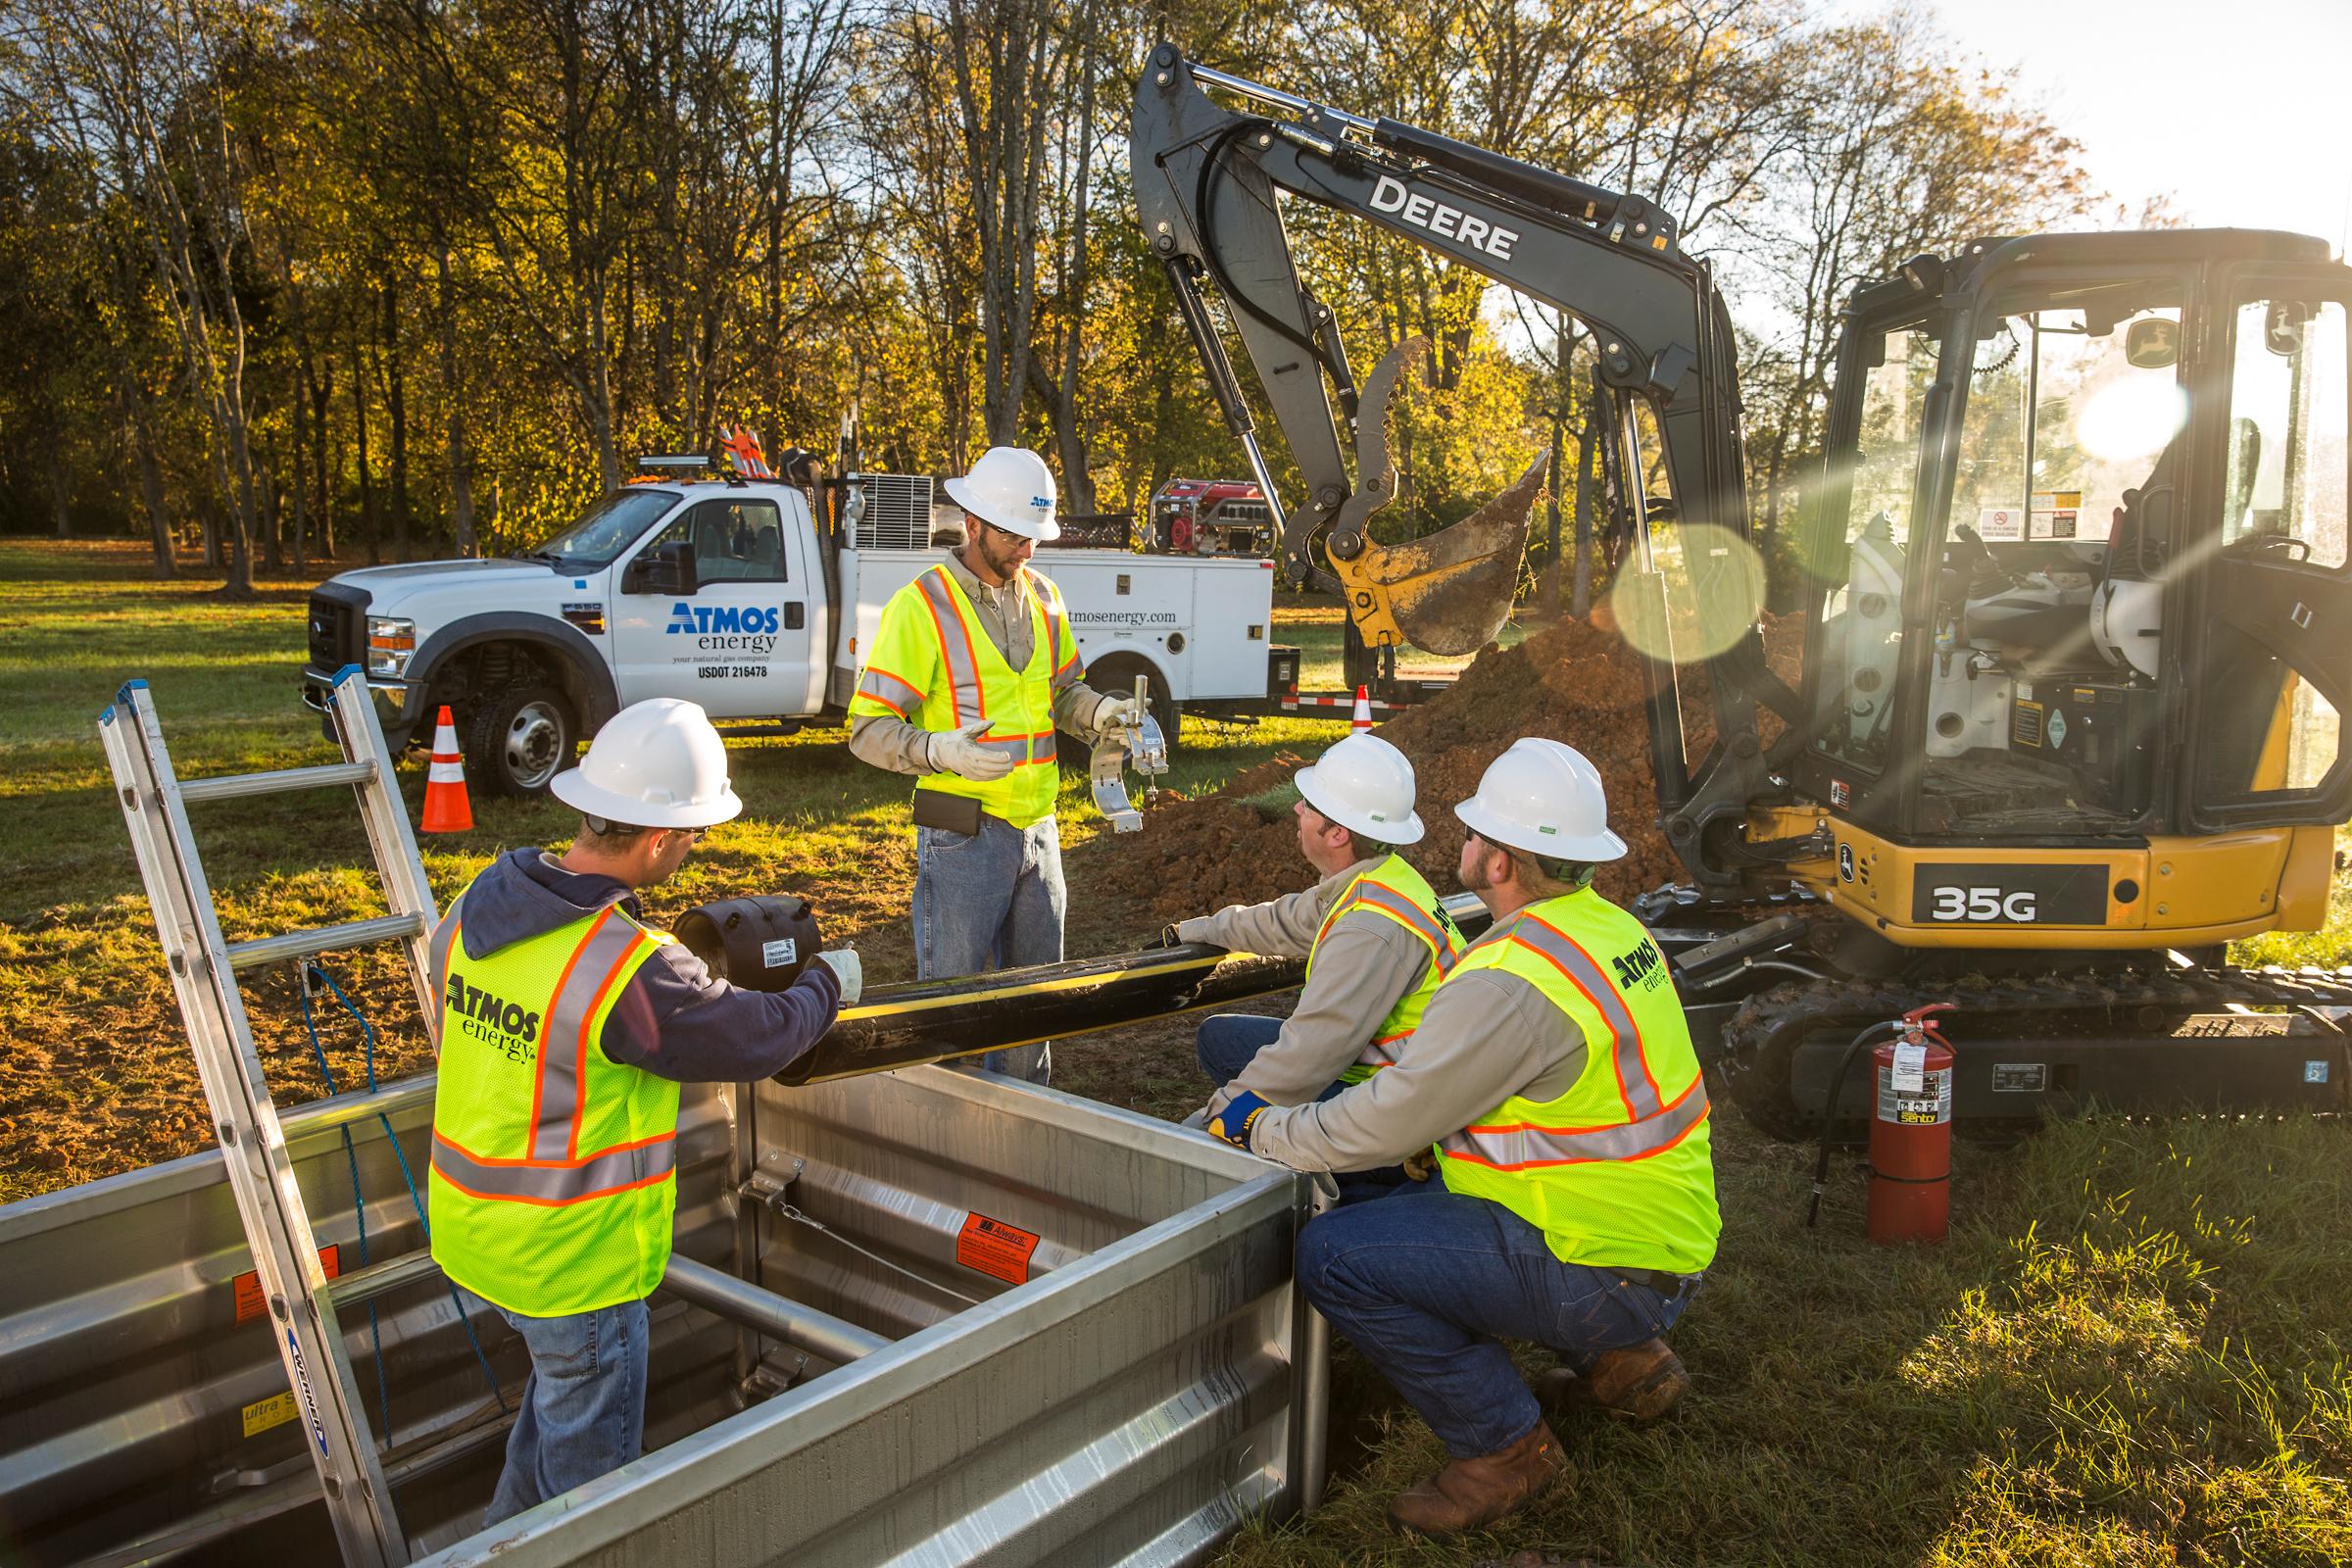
(1911, 1131)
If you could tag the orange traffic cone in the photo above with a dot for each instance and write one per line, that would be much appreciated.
(446, 808)
(1362, 721)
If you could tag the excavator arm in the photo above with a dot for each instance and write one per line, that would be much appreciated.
(1206, 179)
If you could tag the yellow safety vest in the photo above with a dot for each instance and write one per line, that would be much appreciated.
(1394, 890)
(933, 667)
(555, 1168)
(1617, 1171)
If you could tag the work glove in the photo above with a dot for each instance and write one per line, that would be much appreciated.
(849, 969)
(1168, 938)
(1232, 1122)
(1117, 713)
(959, 752)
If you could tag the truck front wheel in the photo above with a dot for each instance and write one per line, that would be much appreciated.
(519, 739)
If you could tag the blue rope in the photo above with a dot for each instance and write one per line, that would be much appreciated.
(408, 1178)
(359, 1202)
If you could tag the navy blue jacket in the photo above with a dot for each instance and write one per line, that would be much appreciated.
(674, 1018)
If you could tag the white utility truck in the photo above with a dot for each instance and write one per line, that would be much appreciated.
(730, 592)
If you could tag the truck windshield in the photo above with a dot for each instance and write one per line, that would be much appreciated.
(610, 526)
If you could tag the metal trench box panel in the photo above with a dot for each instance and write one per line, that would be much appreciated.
(1155, 1379)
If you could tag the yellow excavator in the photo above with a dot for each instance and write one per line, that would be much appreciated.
(2078, 639)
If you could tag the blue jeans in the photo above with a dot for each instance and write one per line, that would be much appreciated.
(1227, 1042)
(991, 900)
(583, 1405)
(1427, 1284)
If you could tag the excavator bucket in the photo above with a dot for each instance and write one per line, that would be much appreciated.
(1446, 592)
(1450, 592)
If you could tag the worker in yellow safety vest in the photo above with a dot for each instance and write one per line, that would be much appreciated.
(566, 1025)
(1553, 1083)
(1375, 939)
(971, 671)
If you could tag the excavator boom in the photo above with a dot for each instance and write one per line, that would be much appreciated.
(1209, 179)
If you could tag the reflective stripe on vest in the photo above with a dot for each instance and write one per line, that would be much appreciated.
(524, 1181)
(1521, 1145)
(933, 667)
(1061, 643)
(564, 1046)
(553, 1167)
(554, 1170)
(901, 697)
(1396, 890)
(956, 653)
(1617, 1168)
(1634, 1086)
(445, 938)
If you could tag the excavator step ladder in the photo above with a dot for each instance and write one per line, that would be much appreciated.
(204, 968)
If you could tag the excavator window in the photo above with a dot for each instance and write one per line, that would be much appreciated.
(2287, 480)
(2269, 733)
(1862, 604)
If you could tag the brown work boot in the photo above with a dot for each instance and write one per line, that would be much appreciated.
(1642, 1382)
(1469, 1494)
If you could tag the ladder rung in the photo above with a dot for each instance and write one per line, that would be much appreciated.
(228, 786)
(382, 1279)
(302, 944)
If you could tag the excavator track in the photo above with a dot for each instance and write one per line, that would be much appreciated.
(2023, 1020)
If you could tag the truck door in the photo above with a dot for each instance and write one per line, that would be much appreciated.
(2274, 669)
(739, 643)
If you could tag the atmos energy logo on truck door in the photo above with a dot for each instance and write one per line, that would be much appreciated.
(725, 628)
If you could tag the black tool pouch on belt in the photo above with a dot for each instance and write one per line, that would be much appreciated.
(957, 813)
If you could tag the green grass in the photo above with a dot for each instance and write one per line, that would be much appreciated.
(2132, 1350)
(2136, 1348)
(96, 1077)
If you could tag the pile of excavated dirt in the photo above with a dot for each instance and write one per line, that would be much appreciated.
(1573, 681)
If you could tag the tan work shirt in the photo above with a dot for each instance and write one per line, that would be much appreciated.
(1006, 619)
(1486, 1036)
(1366, 964)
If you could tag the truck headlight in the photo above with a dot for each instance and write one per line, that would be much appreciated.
(391, 644)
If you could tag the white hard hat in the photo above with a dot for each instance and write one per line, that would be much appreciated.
(1367, 786)
(1012, 488)
(1546, 798)
(658, 764)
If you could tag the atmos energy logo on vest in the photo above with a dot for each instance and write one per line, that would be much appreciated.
(493, 1019)
(725, 628)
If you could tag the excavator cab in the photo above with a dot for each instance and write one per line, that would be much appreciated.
(2079, 593)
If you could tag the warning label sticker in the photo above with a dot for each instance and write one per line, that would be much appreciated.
(251, 1303)
(275, 1412)
(993, 1247)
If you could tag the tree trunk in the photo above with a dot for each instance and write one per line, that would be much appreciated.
(60, 491)
(359, 426)
(301, 489)
(396, 403)
(151, 490)
(1588, 457)
(1077, 483)
(267, 495)
(1552, 512)
(452, 392)
(323, 390)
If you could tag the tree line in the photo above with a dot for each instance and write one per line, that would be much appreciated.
(401, 277)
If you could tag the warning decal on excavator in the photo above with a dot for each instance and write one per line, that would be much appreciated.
(250, 1303)
(993, 1247)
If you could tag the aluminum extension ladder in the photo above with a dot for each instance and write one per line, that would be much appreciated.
(203, 975)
